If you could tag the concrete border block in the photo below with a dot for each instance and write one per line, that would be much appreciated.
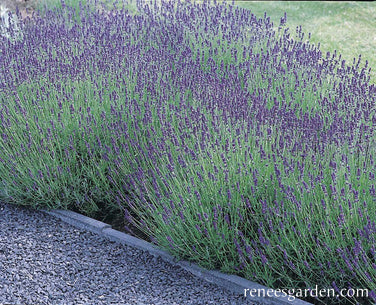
(238, 284)
(137, 243)
(229, 282)
(79, 220)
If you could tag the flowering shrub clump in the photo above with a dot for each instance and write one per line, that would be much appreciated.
(227, 140)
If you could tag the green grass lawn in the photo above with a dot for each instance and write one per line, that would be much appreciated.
(348, 27)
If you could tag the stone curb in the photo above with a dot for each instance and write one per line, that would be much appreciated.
(232, 283)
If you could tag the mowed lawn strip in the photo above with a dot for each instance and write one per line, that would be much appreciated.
(348, 27)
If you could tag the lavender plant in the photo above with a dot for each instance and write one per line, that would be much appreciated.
(228, 142)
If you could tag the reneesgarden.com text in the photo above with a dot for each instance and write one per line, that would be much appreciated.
(292, 294)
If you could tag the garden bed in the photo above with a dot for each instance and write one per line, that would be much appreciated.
(222, 138)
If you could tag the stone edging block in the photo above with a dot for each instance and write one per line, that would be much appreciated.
(232, 283)
(79, 220)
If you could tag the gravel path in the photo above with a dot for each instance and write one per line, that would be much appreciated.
(46, 261)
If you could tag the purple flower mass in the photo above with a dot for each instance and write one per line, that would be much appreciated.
(198, 121)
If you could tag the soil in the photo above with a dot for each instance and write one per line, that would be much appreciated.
(117, 220)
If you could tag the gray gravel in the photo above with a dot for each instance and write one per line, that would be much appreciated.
(46, 261)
